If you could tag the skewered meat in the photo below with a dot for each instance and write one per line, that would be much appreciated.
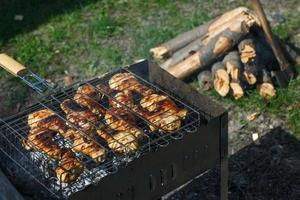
(81, 117)
(88, 147)
(161, 112)
(42, 140)
(47, 119)
(69, 168)
(120, 142)
(126, 81)
(88, 97)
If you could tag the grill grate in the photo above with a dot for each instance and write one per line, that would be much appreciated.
(14, 132)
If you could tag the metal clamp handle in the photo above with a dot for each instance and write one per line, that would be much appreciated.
(15, 68)
(11, 65)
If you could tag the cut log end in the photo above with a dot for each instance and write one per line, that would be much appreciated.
(250, 78)
(232, 70)
(266, 90)
(205, 80)
(221, 82)
(247, 54)
(237, 90)
(159, 52)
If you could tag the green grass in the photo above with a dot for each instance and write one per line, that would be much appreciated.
(88, 38)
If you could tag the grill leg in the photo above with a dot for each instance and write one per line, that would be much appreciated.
(224, 158)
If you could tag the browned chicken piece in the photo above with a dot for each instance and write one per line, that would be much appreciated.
(42, 140)
(88, 147)
(126, 81)
(69, 168)
(47, 119)
(120, 142)
(123, 142)
(122, 100)
(165, 122)
(162, 112)
(87, 96)
(103, 89)
(82, 118)
(121, 120)
(161, 103)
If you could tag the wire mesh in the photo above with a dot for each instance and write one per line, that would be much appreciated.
(44, 151)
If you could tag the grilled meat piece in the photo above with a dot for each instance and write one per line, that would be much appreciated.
(123, 142)
(87, 96)
(88, 147)
(104, 89)
(161, 112)
(126, 81)
(47, 119)
(121, 120)
(42, 140)
(120, 142)
(165, 122)
(82, 118)
(122, 99)
(161, 103)
(69, 168)
(118, 117)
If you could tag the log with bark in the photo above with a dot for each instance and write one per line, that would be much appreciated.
(220, 78)
(214, 44)
(168, 48)
(248, 55)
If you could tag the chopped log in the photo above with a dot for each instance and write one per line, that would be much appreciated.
(248, 56)
(234, 67)
(237, 90)
(168, 48)
(266, 88)
(205, 80)
(216, 66)
(247, 50)
(213, 45)
(251, 72)
(220, 79)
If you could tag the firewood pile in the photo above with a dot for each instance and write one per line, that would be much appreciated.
(230, 53)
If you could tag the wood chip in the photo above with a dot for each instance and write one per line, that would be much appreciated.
(252, 116)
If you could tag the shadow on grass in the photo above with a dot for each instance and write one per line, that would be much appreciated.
(268, 170)
(34, 13)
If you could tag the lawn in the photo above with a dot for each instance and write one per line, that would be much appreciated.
(88, 38)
